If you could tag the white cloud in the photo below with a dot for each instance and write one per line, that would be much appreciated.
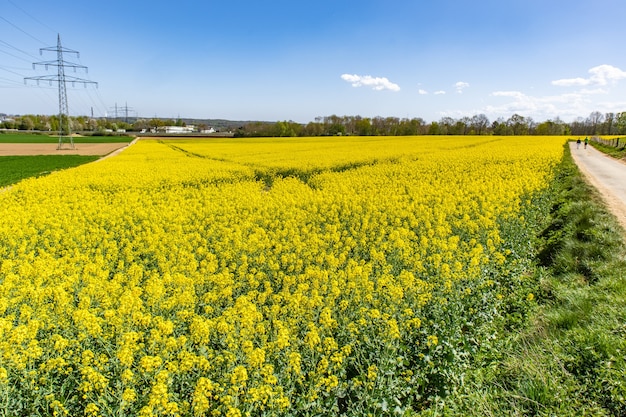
(460, 86)
(516, 94)
(564, 105)
(569, 82)
(422, 92)
(377, 83)
(599, 76)
(602, 90)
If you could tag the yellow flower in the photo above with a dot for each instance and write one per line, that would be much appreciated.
(91, 409)
(239, 376)
(129, 395)
(245, 268)
(150, 363)
(233, 412)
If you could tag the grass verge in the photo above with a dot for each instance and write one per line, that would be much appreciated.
(569, 358)
(616, 152)
(17, 168)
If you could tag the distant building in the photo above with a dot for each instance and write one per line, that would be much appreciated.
(179, 129)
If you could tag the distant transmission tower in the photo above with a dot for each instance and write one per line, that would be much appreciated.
(61, 79)
(123, 110)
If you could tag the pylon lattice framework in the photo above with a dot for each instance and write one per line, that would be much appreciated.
(61, 79)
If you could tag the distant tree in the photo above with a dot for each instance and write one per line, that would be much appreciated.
(92, 124)
(578, 127)
(446, 126)
(460, 127)
(434, 129)
(8, 124)
(594, 121)
(313, 129)
(479, 124)
(54, 122)
(518, 125)
(287, 129)
(27, 123)
(620, 123)
(156, 123)
(333, 125)
(552, 127)
(363, 127)
(392, 126)
(499, 127)
(141, 124)
(465, 125)
(609, 120)
(411, 127)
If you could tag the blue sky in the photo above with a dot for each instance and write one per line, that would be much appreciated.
(296, 60)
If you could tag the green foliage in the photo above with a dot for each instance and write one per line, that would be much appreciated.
(568, 357)
(618, 150)
(17, 168)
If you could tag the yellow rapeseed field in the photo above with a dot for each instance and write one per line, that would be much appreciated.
(261, 277)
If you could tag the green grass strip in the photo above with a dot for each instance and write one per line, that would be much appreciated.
(569, 357)
(17, 168)
(618, 152)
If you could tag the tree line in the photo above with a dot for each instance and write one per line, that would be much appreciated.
(595, 124)
(44, 123)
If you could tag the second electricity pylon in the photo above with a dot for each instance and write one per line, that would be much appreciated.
(61, 79)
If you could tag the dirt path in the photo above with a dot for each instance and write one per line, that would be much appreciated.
(13, 149)
(606, 174)
(118, 150)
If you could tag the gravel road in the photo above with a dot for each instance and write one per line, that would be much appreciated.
(607, 174)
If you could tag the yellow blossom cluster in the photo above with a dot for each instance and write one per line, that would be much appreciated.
(230, 277)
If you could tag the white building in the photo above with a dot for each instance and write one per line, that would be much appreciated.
(179, 129)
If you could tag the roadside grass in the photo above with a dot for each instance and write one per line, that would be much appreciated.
(41, 138)
(569, 358)
(17, 168)
(616, 152)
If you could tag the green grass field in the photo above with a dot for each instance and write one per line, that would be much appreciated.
(17, 168)
(37, 138)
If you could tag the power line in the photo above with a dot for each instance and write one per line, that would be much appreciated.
(123, 110)
(8, 48)
(15, 83)
(22, 30)
(14, 56)
(102, 110)
(60, 78)
(32, 17)
(93, 102)
(17, 49)
(12, 72)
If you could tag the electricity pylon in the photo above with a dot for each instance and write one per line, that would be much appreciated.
(61, 79)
